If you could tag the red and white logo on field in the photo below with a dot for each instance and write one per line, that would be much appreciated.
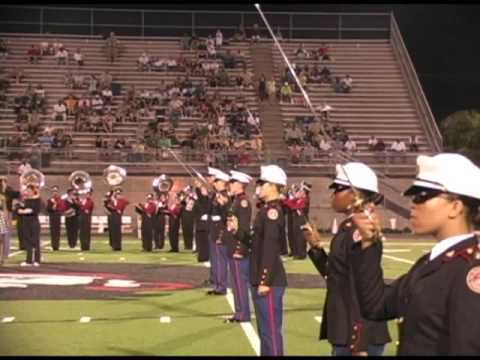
(95, 281)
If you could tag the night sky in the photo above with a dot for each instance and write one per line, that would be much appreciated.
(442, 39)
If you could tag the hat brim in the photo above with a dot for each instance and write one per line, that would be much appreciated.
(416, 189)
(337, 182)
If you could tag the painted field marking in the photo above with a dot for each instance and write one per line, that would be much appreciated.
(206, 264)
(426, 251)
(165, 319)
(80, 254)
(404, 243)
(85, 319)
(396, 250)
(318, 319)
(82, 258)
(163, 259)
(8, 319)
(247, 327)
(406, 261)
(122, 259)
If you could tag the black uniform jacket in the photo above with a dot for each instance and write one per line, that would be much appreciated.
(342, 323)
(240, 242)
(266, 267)
(439, 300)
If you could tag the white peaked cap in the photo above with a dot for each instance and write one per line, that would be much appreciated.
(273, 174)
(448, 172)
(220, 175)
(239, 176)
(360, 176)
(212, 171)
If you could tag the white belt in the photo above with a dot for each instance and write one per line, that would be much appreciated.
(204, 217)
(216, 218)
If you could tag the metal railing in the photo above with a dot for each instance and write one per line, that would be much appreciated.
(419, 99)
(140, 22)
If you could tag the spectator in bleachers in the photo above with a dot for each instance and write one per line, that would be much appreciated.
(324, 110)
(78, 81)
(98, 142)
(325, 145)
(286, 93)
(107, 122)
(218, 38)
(309, 152)
(92, 84)
(337, 85)
(105, 79)
(293, 135)
(272, 89)
(84, 104)
(78, 57)
(107, 96)
(372, 142)
(323, 52)
(97, 104)
(295, 152)
(346, 84)
(33, 54)
(62, 56)
(71, 102)
(239, 34)
(380, 145)
(34, 123)
(413, 143)
(325, 75)
(3, 48)
(262, 88)
(143, 62)
(112, 47)
(301, 52)
(398, 146)
(56, 45)
(350, 146)
(59, 111)
(45, 48)
(185, 42)
(255, 33)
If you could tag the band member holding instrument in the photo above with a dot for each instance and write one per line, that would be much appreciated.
(174, 213)
(147, 211)
(7, 195)
(188, 198)
(159, 220)
(438, 299)
(115, 205)
(217, 226)
(55, 208)
(237, 240)
(72, 211)
(267, 274)
(85, 220)
(29, 211)
(342, 324)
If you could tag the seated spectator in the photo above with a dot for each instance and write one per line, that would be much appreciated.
(325, 75)
(71, 102)
(84, 104)
(295, 153)
(413, 143)
(78, 57)
(105, 79)
(346, 84)
(301, 52)
(398, 146)
(45, 48)
(309, 152)
(56, 45)
(107, 122)
(59, 111)
(62, 56)
(379, 146)
(143, 62)
(325, 145)
(271, 89)
(324, 110)
(218, 38)
(286, 93)
(337, 85)
(255, 33)
(3, 48)
(78, 81)
(372, 142)
(92, 84)
(107, 96)
(33, 54)
(39, 91)
(350, 146)
(324, 52)
(97, 103)
(293, 135)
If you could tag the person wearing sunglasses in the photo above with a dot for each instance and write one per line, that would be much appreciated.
(267, 274)
(437, 301)
(342, 324)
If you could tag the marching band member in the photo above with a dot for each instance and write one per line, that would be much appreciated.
(438, 299)
(72, 210)
(159, 220)
(342, 324)
(115, 205)
(85, 220)
(55, 208)
(147, 212)
(267, 274)
(29, 211)
(237, 240)
(7, 195)
(188, 217)
(174, 212)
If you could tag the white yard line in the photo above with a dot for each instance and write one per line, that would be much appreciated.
(318, 319)
(8, 319)
(396, 250)
(406, 261)
(85, 319)
(21, 251)
(247, 327)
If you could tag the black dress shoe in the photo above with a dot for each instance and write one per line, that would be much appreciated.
(172, 251)
(231, 320)
(215, 292)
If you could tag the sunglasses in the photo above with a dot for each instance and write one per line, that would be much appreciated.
(340, 188)
(424, 196)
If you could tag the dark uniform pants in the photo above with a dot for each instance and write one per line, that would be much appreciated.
(147, 233)
(187, 229)
(85, 224)
(55, 223)
(31, 239)
(116, 231)
(220, 265)
(373, 350)
(240, 280)
(173, 229)
(202, 245)
(21, 242)
(71, 223)
(269, 314)
(290, 232)
(299, 243)
(159, 231)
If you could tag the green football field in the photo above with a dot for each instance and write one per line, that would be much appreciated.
(59, 320)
